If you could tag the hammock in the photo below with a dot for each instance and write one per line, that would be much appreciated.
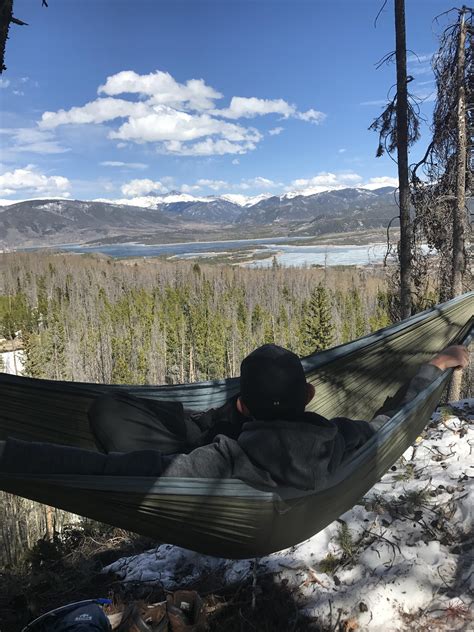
(228, 517)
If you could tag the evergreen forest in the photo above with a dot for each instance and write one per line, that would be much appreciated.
(96, 319)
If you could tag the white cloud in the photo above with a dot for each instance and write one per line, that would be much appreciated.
(31, 139)
(168, 181)
(98, 111)
(411, 59)
(258, 183)
(168, 124)
(342, 150)
(208, 147)
(189, 188)
(163, 89)
(136, 188)
(326, 181)
(180, 118)
(379, 182)
(249, 107)
(29, 179)
(236, 161)
(144, 192)
(221, 185)
(4, 83)
(422, 69)
(275, 131)
(215, 185)
(376, 102)
(127, 165)
(312, 116)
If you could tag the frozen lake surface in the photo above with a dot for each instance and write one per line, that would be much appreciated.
(286, 254)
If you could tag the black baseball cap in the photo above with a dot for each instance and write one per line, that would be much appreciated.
(273, 383)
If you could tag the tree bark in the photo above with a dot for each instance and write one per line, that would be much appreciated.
(49, 522)
(6, 13)
(459, 215)
(460, 211)
(402, 161)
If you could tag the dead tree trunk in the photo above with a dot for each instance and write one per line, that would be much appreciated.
(402, 161)
(49, 511)
(6, 14)
(459, 215)
(460, 211)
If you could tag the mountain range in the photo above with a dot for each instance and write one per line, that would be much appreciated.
(181, 216)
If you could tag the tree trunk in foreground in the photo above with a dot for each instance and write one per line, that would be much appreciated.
(460, 213)
(402, 161)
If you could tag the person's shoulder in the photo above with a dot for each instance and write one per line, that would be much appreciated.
(315, 419)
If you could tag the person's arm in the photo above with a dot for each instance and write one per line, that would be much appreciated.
(453, 357)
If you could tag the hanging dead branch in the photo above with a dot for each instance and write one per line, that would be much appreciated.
(435, 180)
(386, 125)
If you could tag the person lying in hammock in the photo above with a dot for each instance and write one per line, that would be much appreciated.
(262, 436)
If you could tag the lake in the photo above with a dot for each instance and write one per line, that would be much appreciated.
(286, 254)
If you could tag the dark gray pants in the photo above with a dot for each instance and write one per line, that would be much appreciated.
(124, 423)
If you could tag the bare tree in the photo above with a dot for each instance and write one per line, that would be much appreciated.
(398, 128)
(442, 180)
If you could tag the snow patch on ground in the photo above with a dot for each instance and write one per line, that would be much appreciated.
(12, 362)
(399, 560)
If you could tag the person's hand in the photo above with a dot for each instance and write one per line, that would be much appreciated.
(454, 357)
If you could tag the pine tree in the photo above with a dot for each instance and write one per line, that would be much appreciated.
(318, 324)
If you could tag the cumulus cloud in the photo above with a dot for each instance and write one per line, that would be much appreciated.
(313, 116)
(275, 131)
(98, 111)
(236, 161)
(222, 185)
(180, 118)
(215, 185)
(127, 165)
(136, 188)
(208, 147)
(163, 89)
(29, 179)
(380, 181)
(326, 181)
(168, 124)
(258, 183)
(142, 191)
(190, 188)
(4, 83)
(249, 107)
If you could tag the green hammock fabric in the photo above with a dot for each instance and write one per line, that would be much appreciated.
(227, 517)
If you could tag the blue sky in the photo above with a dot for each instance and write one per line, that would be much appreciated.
(118, 98)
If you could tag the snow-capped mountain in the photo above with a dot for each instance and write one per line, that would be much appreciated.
(154, 201)
(60, 220)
